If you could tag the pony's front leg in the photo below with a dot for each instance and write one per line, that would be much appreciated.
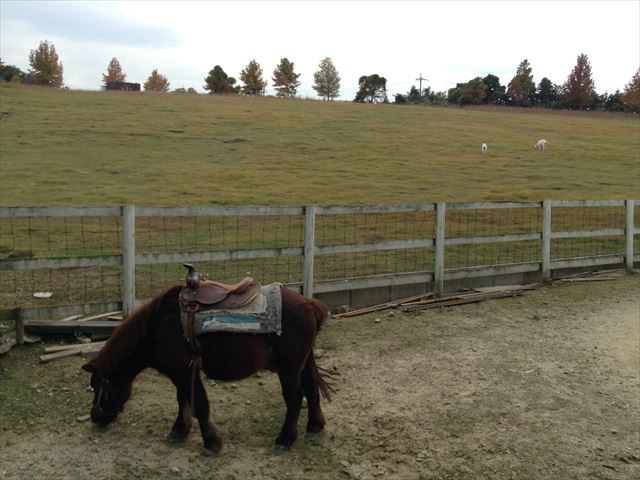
(182, 426)
(210, 437)
(292, 393)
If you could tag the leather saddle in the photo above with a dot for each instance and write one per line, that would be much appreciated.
(201, 294)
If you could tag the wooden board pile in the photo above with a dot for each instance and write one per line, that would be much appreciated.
(61, 351)
(599, 276)
(427, 300)
(101, 324)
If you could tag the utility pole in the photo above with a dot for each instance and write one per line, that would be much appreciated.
(420, 80)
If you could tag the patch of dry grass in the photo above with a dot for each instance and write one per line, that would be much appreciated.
(107, 148)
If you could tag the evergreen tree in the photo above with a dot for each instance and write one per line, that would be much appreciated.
(414, 97)
(373, 89)
(254, 84)
(613, 102)
(454, 94)
(156, 82)
(631, 94)
(547, 94)
(114, 73)
(495, 93)
(326, 80)
(46, 68)
(521, 90)
(219, 82)
(285, 79)
(11, 73)
(579, 89)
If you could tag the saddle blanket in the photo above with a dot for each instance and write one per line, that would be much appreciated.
(262, 315)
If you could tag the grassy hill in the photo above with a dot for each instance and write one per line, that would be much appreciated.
(109, 148)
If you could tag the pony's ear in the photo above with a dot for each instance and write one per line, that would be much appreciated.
(89, 367)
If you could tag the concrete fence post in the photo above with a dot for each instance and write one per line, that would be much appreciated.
(309, 250)
(128, 259)
(438, 265)
(629, 235)
(546, 240)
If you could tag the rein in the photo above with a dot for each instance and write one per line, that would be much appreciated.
(190, 306)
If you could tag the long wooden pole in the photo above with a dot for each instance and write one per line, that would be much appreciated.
(438, 267)
(629, 234)
(128, 259)
(546, 240)
(309, 250)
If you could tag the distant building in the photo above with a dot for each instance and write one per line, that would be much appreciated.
(123, 86)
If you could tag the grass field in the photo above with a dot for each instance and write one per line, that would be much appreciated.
(106, 148)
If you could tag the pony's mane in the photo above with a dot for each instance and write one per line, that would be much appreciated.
(128, 336)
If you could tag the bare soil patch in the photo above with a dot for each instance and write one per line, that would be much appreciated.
(541, 386)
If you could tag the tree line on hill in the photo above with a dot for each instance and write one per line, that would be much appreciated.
(577, 92)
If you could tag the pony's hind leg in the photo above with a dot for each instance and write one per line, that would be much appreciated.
(310, 380)
(292, 393)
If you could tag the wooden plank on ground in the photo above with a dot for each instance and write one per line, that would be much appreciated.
(507, 288)
(383, 306)
(461, 300)
(59, 348)
(65, 353)
(78, 349)
(71, 327)
(98, 316)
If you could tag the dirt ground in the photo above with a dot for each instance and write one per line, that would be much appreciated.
(543, 386)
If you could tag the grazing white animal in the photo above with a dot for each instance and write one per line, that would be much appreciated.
(484, 148)
(542, 145)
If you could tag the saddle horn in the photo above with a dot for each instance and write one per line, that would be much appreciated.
(193, 277)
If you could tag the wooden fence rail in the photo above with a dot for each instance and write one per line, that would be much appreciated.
(128, 260)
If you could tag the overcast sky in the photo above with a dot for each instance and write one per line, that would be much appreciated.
(446, 42)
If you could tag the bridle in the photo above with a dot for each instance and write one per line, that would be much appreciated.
(103, 394)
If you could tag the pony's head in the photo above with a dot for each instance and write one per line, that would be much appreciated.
(109, 396)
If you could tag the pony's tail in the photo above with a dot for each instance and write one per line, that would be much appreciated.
(320, 376)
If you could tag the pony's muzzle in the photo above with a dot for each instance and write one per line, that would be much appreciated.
(100, 418)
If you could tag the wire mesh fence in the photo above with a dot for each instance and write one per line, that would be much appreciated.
(32, 238)
(368, 229)
(601, 219)
(350, 242)
(492, 222)
(194, 234)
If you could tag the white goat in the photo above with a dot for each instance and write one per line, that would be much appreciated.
(484, 148)
(542, 145)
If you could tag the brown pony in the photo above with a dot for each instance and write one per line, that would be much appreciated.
(152, 336)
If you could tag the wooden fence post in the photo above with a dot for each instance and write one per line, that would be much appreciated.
(546, 240)
(128, 259)
(629, 234)
(438, 266)
(309, 247)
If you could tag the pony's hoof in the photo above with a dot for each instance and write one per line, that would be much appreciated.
(174, 437)
(212, 447)
(277, 448)
(285, 441)
(313, 438)
(207, 452)
(315, 428)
